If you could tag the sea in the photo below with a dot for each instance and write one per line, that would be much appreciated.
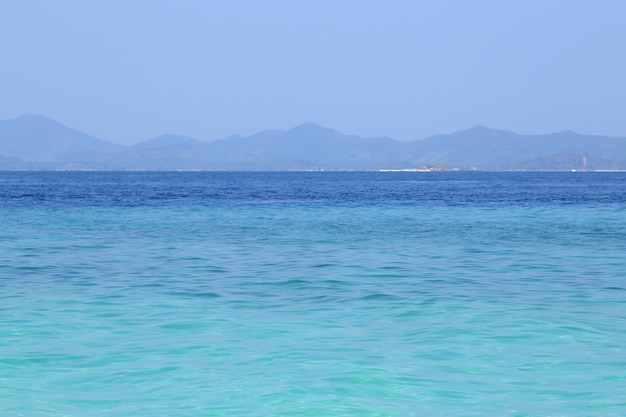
(312, 294)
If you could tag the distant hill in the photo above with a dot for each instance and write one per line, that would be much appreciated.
(492, 149)
(308, 146)
(36, 142)
(49, 144)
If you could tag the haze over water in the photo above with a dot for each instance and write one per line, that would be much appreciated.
(312, 294)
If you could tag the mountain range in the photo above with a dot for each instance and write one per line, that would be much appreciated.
(35, 142)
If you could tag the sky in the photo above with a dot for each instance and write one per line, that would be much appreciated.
(130, 70)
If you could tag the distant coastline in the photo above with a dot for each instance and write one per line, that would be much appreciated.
(34, 142)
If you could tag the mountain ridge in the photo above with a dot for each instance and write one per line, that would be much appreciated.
(37, 142)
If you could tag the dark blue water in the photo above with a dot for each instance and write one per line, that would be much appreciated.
(325, 188)
(312, 294)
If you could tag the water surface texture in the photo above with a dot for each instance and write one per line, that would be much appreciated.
(312, 294)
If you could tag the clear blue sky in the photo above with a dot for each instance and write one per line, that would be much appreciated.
(126, 71)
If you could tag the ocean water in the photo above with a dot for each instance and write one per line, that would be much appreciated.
(312, 294)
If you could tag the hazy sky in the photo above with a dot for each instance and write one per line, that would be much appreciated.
(126, 71)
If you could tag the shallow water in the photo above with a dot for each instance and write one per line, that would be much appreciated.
(312, 294)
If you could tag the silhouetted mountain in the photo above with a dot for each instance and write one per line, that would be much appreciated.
(35, 142)
(51, 144)
(477, 146)
(503, 150)
(308, 146)
(165, 152)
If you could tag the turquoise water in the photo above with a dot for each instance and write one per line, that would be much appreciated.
(320, 294)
